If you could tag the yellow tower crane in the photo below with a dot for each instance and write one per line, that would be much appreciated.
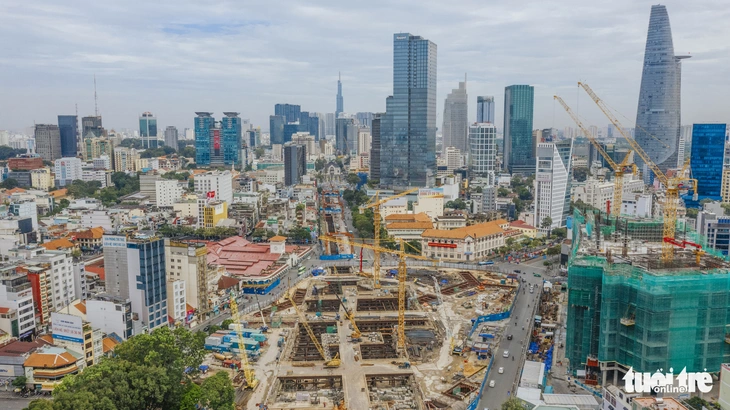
(248, 373)
(355, 330)
(619, 169)
(328, 360)
(672, 185)
(402, 272)
(375, 206)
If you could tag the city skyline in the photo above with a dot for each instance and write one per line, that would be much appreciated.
(53, 50)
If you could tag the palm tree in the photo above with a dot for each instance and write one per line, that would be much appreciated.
(547, 222)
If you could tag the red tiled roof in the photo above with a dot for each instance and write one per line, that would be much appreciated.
(56, 244)
(15, 191)
(99, 270)
(18, 348)
(4, 309)
(243, 258)
(81, 306)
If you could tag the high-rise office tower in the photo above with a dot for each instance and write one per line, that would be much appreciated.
(231, 138)
(408, 128)
(204, 125)
(346, 135)
(483, 151)
(707, 161)
(456, 122)
(68, 127)
(291, 112)
(48, 141)
(375, 146)
(171, 136)
(365, 119)
(485, 109)
(658, 113)
(148, 130)
(276, 129)
(340, 101)
(91, 125)
(295, 163)
(519, 150)
(135, 270)
(553, 184)
(329, 124)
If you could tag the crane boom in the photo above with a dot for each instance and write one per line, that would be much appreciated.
(634, 145)
(329, 361)
(618, 169)
(672, 185)
(248, 372)
(376, 229)
(355, 330)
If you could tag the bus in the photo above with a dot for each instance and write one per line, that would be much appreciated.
(482, 263)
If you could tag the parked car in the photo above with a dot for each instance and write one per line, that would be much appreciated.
(491, 383)
(501, 370)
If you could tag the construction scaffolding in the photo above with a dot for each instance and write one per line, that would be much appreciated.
(634, 312)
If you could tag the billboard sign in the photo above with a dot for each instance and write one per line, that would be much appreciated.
(114, 241)
(67, 327)
(7, 371)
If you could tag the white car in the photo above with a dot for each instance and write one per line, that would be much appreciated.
(506, 353)
(491, 383)
(501, 370)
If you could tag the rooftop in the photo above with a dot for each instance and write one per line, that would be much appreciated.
(243, 258)
(57, 244)
(420, 217)
(18, 348)
(474, 231)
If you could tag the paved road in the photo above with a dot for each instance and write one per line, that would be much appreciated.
(506, 383)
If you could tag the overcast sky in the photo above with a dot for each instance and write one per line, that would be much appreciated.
(176, 57)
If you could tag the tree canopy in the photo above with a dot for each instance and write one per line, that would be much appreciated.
(135, 143)
(8, 152)
(157, 152)
(10, 183)
(457, 203)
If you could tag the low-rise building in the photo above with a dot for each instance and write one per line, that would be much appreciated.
(524, 228)
(13, 353)
(48, 365)
(451, 220)
(41, 179)
(89, 240)
(407, 226)
(471, 243)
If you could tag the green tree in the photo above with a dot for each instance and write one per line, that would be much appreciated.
(692, 212)
(259, 233)
(19, 381)
(546, 222)
(40, 404)
(479, 190)
(131, 143)
(352, 178)
(457, 203)
(513, 403)
(553, 250)
(413, 247)
(560, 232)
(10, 183)
(8, 152)
(725, 209)
(213, 329)
(226, 323)
(217, 392)
(259, 152)
(191, 397)
(319, 164)
(502, 192)
(519, 204)
(188, 152)
(524, 193)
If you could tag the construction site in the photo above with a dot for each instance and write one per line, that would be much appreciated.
(339, 341)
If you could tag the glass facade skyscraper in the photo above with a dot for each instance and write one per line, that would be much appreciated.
(485, 109)
(456, 121)
(483, 151)
(204, 125)
(408, 128)
(276, 129)
(148, 130)
(231, 138)
(707, 161)
(659, 110)
(519, 150)
(340, 101)
(291, 112)
(68, 126)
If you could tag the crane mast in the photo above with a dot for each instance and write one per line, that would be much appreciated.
(672, 185)
(329, 361)
(248, 372)
(618, 169)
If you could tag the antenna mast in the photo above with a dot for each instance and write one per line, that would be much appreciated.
(96, 105)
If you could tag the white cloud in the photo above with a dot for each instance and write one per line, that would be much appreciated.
(176, 57)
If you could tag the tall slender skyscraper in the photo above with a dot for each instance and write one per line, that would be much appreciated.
(485, 109)
(408, 128)
(456, 121)
(231, 138)
(204, 126)
(171, 136)
(519, 150)
(340, 102)
(148, 130)
(48, 141)
(68, 126)
(659, 111)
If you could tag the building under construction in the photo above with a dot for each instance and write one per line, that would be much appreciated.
(628, 308)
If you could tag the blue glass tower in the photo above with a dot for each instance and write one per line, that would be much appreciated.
(276, 129)
(204, 125)
(659, 110)
(408, 128)
(706, 164)
(68, 126)
(519, 148)
(148, 130)
(231, 133)
(291, 112)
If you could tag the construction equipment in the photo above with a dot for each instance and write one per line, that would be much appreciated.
(375, 206)
(248, 373)
(672, 185)
(264, 328)
(328, 361)
(355, 331)
(402, 272)
(442, 313)
(618, 169)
